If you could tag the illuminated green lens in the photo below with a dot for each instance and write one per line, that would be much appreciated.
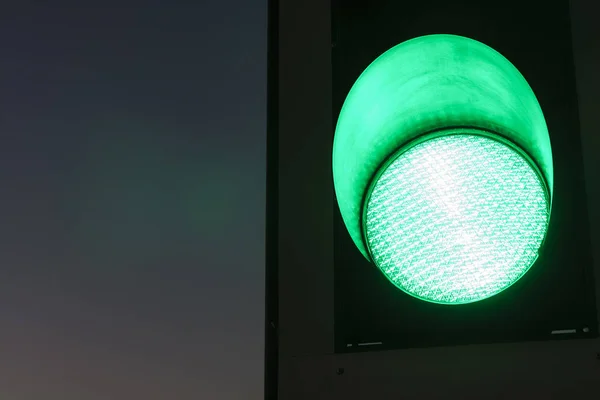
(456, 219)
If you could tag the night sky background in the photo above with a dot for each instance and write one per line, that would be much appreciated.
(132, 162)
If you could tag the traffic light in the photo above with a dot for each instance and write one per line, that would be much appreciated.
(460, 213)
(442, 167)
(432, 199)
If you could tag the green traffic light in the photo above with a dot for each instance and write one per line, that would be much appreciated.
(443, 169)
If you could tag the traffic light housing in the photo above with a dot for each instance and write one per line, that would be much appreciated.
(340, 326)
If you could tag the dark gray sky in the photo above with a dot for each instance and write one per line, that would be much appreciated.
(132, 146)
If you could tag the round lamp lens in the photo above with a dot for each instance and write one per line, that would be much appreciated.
(456, 219)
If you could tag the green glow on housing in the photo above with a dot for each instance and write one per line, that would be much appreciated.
(425, 84)
(456, 219)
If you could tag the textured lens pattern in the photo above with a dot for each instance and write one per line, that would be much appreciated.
(456, 219)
